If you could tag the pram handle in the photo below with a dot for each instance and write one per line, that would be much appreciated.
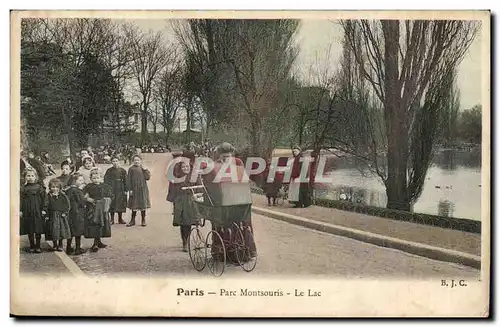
(192, 187)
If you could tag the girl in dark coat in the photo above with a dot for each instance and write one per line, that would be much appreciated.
(138, 199)
(271, 188)
(58, 209)
(99, 197)
(32, 210)
(77, 212)
(116, 178)
(184, 212)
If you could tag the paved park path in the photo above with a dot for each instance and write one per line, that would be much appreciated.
(284, 249)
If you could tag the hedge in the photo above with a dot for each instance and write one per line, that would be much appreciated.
(466, 225)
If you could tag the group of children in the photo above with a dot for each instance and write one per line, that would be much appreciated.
(81, 204)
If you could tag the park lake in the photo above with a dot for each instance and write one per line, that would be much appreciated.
(452, 186)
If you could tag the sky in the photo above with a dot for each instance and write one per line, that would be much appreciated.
(319, 42)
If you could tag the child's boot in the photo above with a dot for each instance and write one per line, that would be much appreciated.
(78, 250)
(38, 239)
(100, 244)
(31, 238)
(69, 248)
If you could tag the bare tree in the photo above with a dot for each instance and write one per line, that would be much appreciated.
(169, 94)
(450, 113)
(238, 68)
(408, 65)
(150, 57)
(119, 59)
(261, 54)
(202, 41)
(345, 116)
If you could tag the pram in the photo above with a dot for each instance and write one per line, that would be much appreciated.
(231, 238)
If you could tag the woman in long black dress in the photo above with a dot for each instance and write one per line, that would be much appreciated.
(32, 210)
(116, 178)
(305, 190)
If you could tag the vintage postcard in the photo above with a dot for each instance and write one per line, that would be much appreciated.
(250, 164)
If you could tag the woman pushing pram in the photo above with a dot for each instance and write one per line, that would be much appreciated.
(227, 204)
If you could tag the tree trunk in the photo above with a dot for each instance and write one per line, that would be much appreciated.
(167, 137)
(208, 127)
(69, 131)
(254, 137)
(395, 116)
(144, 126)
(301, 129)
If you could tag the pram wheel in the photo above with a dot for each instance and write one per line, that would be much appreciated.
(215, 253)
(246, 259)
(196, 247)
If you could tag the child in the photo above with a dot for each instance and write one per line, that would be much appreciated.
(138, 199)
(116, 178)
(271, 188)
(65, 177)
(32, 210)
(72, 167)
(88, 165)
(98, 198)
(76, 213)
(58, 209)
(184, 213)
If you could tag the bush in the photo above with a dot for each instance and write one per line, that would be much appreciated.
(466, 225)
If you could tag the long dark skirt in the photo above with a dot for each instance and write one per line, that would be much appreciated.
(119, 203)
(305, 196)
(77, 222)
(185, 213)
(32, 224)
(97, 224)
(57, 227)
